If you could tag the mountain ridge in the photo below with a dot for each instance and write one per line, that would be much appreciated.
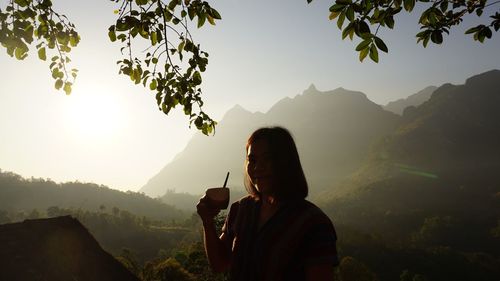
(442, 159)
(330, 108)
(398, 106)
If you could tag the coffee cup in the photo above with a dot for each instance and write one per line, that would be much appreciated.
(217, 197)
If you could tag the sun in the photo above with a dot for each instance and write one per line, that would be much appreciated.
(93, 111)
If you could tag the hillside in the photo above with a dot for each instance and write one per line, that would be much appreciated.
(55, 249)
(333, 131)
(434, 181)
(24, 195)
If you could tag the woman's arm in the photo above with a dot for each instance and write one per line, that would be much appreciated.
(217, 248)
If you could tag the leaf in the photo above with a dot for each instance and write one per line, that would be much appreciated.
(426, 40)
(112, 35)
(41, 54)
(191, 12)
(374, 53)
(488, 32)
(363, 45)
(444, 6)
(210, 20)
(167, 15)
(473, 30)
(333, 15)
(351, 33)
(381, 45)
(215, 14)
(180, 48)
(341, 19)
(481, 36)
(197, 78)
(73, 40)
(437, 37)
(67, 88)
(409, 5)
(337, 8)
(363, 53)
(153, 85)
(346, 31)
(172, 5)
(201, 20)
(59, 83)
(364, 28)
(350, 13)
(389, 20)
(154, 38)
(20, 53)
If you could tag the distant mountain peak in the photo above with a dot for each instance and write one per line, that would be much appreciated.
(349, 95)
(311, 90)
(237, 108)
(235, 112)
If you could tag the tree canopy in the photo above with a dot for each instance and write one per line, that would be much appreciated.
(173, 63)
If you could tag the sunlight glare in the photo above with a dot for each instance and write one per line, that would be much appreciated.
(93, 111)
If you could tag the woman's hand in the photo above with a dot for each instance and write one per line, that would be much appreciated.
(206, 212)
(216, 248)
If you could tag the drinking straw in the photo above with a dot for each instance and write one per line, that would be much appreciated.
(225, 182)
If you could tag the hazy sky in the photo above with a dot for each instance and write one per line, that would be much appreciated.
(110, 132)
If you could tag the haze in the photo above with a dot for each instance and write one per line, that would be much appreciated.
(110, 132)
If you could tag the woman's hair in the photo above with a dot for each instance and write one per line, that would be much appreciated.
(289, 181)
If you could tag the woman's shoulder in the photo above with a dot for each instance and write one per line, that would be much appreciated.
(243, 202)
(310, 210)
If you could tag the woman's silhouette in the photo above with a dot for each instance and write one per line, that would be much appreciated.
(273, 233)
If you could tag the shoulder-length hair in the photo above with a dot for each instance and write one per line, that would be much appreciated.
(289, 180)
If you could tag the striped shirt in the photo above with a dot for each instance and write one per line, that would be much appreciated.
(297, 235)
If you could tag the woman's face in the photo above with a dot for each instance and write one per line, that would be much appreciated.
(259, 166)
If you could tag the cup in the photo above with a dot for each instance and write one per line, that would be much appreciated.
(217, 197)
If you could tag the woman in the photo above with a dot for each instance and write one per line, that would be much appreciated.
(273, 233)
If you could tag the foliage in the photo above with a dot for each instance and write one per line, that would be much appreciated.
(169, 269)
(128, 259)
(171, 67)
(354, 270)
(164, 68)
(437, 19)
(26, 20)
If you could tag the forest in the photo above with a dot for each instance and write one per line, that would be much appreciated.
(405, 243)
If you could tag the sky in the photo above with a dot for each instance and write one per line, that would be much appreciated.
(109, 131)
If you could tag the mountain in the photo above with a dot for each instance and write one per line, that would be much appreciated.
(426, 200)
(333, 131)
(55, 249)
(455, 131)
(24, 195)
(436, 173)
(416, 99)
